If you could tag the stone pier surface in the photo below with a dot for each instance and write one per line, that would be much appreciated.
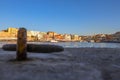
(70, 64)
(21, 44)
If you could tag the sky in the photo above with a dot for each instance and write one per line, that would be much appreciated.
(82, 17)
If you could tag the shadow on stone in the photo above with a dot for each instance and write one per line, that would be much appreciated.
(106, 75)
(16, 60)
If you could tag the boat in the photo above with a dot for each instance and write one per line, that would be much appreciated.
(53, 41)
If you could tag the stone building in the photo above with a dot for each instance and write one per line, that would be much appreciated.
(75, 37)
(12, 30)
(9, 34)
(41, 36)
(116, 37)
(51, 35)
(67, 37)
(59, 37)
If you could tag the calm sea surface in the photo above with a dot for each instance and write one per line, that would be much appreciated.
(78, 44)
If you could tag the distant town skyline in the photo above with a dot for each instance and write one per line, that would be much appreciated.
(82, 17)
(10, 34)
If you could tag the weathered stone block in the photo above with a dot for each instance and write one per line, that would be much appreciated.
(38, 48)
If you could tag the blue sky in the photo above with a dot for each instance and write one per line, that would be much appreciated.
(82, 17)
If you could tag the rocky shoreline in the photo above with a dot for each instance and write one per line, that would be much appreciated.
(71, 64)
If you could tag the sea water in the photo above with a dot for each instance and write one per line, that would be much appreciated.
(77, 44)
(82, 44)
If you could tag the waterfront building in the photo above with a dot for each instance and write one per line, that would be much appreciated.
(116, 36)
(41, 36)
(29, 36)
(4, 34)
(80, 38)
(12, 30)
(51, 34)
(75, 37)
(7, 36)
(67, 37)
(58, 37)
(34, 33)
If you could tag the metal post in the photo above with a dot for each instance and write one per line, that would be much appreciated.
(21, 44)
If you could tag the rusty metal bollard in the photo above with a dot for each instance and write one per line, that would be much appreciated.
(21, 44)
